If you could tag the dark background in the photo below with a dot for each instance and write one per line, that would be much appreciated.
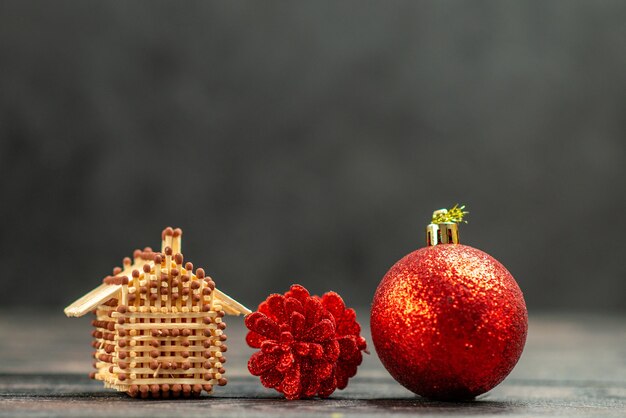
(309, 142)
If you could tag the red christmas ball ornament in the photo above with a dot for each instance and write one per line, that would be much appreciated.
(310, 346)
(448, 321)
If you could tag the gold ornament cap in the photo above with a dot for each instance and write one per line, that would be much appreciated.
(444, 226)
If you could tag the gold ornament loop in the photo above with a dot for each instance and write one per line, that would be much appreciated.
(456, 214)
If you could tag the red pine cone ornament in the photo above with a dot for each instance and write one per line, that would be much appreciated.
(310, 346)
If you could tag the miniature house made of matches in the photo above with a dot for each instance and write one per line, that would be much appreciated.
(158, 330)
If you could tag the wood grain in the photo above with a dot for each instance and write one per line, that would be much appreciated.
(572, 366)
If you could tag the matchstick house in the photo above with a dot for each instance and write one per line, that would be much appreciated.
(159, 328)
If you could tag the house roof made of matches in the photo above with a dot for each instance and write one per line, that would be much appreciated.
(166, 265)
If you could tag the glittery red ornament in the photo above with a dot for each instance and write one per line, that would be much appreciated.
(310, 346)
(449, 322)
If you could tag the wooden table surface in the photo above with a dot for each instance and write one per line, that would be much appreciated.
(572, 366)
